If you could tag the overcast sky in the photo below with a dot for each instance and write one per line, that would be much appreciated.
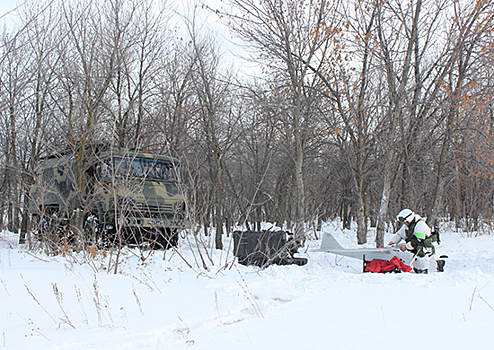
(230, 53)
(8, 5)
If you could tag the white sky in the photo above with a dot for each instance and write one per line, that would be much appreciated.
(8, 5)
(231, 53)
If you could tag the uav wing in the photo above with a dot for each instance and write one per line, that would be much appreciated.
(329, 244)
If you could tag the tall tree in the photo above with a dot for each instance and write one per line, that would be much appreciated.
(470, 33)
(287, 35)
(351, 93)
(213, 111)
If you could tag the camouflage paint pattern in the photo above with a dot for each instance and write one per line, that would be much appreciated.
(115, 198)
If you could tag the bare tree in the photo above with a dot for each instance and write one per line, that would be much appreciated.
(140, 60)
(15, 77)
(469, 30)
(351, 93)
(211, 91)
(287, 36)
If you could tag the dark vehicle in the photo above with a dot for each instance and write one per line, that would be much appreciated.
(110, 195)
(263, 248)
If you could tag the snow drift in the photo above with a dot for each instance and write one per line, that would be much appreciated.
(162, 303)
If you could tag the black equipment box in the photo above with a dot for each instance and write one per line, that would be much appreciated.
(262, 248)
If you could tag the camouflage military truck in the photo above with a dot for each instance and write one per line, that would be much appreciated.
(108, 194)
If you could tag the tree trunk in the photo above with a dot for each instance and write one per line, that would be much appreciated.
(300, 203)
(361, 220)
(383, 209)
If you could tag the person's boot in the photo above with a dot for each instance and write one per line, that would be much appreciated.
(424, 271)
(441, 262)
(440, 265)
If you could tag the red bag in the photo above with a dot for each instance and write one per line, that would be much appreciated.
(383, 266)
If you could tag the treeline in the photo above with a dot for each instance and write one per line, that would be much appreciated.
(360, 108)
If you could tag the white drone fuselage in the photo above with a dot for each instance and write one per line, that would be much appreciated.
(329, 244)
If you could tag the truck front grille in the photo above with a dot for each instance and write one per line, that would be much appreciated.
(153, 211)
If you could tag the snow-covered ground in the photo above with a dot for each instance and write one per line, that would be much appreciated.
(161, 303)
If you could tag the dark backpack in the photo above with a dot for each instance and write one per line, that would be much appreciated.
(434, 237)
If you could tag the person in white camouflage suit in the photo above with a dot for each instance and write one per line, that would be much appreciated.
(419, 239)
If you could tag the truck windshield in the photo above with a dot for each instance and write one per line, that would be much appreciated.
(149, 169)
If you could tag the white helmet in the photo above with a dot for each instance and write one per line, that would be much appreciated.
(406, 215)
